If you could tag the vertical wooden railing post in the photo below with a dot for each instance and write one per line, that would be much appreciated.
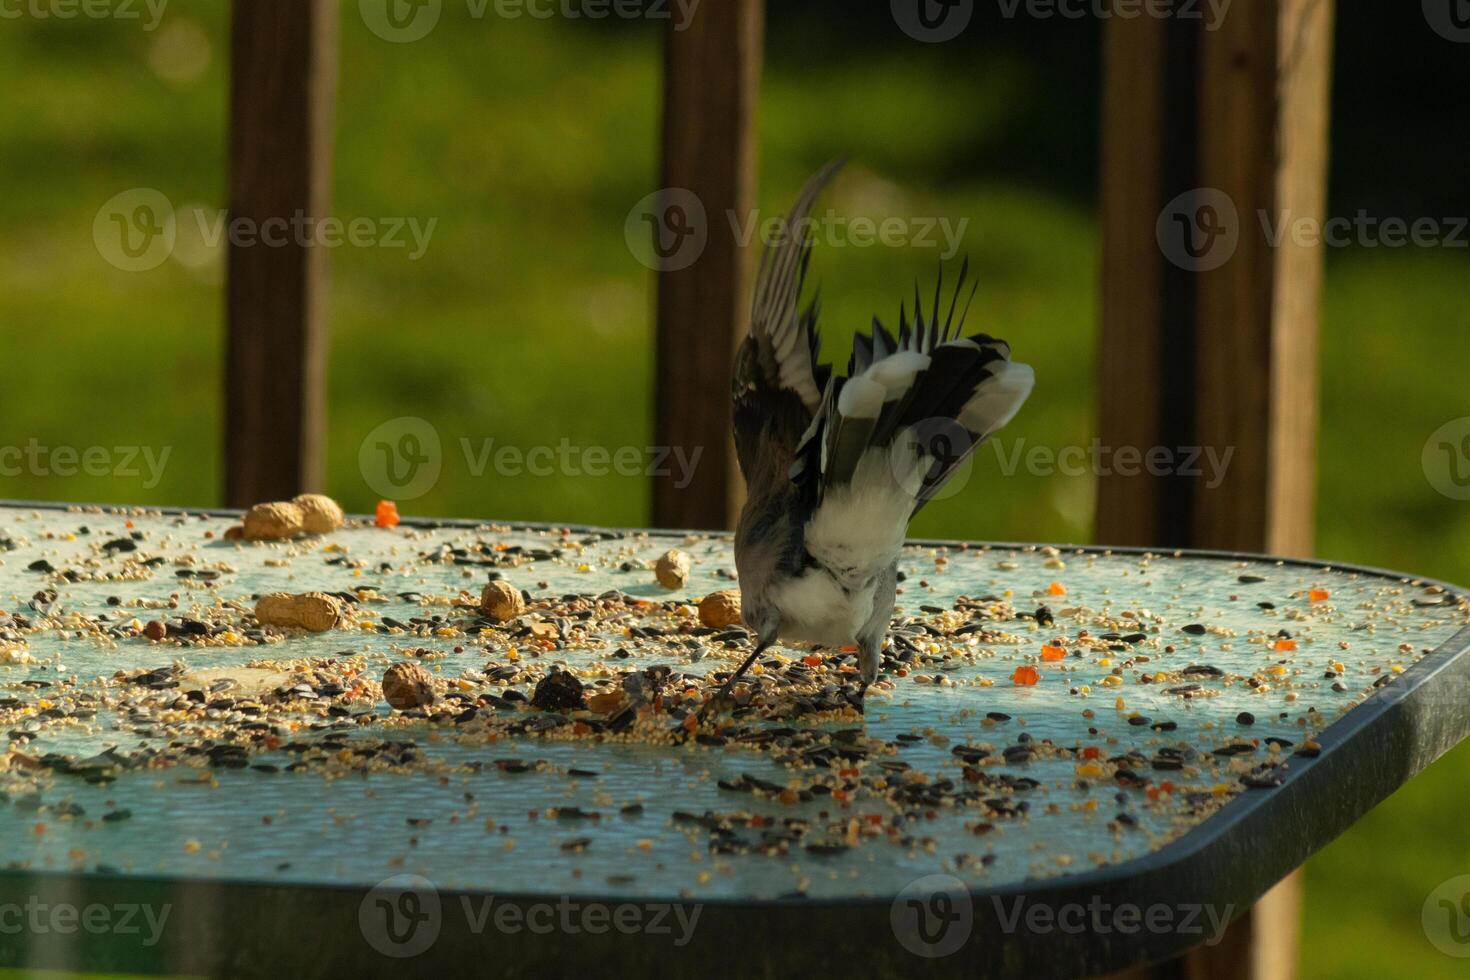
(711, 82)
(283, 74)
(1209, 322)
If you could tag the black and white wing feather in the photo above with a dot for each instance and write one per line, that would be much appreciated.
(894, 430)
(779, 379)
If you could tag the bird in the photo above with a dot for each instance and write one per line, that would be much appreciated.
(836, 466)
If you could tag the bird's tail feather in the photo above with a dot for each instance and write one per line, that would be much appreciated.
(925, 399)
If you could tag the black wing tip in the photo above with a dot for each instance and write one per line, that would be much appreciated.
(932, 332)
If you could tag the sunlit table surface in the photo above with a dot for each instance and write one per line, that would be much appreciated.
(1077, 759)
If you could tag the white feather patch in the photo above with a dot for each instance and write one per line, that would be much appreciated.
(998, 398)
(860, 525)
(861, 398)
(896, 372)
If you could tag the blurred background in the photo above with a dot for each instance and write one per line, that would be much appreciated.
(525, 318)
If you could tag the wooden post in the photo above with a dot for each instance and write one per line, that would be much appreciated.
(1209, 323)
(282, 84)
(711, 80)
(1263, 125)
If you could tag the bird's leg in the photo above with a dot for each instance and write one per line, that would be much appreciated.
(870, 655)
(729, 684)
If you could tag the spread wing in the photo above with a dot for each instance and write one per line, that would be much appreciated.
(779, 382)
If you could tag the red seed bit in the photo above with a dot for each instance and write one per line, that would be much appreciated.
(1051, 653)
(387, 514)
(1092, 752)
(1284, 646)
(1026, 676)
(812, 661)
(1056, 589)
(1319, 595)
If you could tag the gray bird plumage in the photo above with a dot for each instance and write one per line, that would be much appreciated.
(836, 466)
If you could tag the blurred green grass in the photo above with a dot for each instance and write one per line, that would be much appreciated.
(528, 321)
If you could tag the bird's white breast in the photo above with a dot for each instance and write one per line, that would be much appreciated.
(816, 609)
